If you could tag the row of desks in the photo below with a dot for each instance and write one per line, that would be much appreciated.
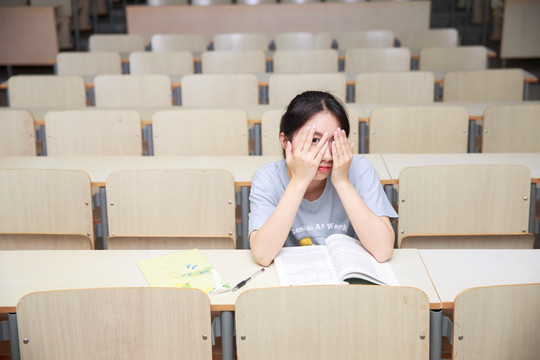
(441, 274)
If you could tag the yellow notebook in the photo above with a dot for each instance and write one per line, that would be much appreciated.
(186, 269)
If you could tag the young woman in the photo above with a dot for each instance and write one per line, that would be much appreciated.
(320, 188)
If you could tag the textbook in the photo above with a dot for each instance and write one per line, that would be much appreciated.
(185, 269)
(342, 259)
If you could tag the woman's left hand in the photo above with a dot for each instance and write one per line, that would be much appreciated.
(342, 155)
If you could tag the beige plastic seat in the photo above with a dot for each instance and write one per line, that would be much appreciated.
(17, 133)
(46, 91)
(365, 39)
(121, 43)
(88, 63)
(93, 133)
(483, 85)
(133, 90)
(221, 132)
(511, 128)
(173, 209)
(170, 63)
(419, 129)
(306, 61)
(282, 88)
(220, 90)
(377, 60)
(233, 62)
(332, 322)
(178, 42)
(464, 206)
(496, 322)
(302, 40)
(45, 209)
(241, 41)
(416, 39)
(115, 323)
(453, 58)
(410, 87)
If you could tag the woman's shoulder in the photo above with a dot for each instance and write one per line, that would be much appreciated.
(270, 170)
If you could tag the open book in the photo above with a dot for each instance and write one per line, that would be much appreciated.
(343, 258)
(187, 269)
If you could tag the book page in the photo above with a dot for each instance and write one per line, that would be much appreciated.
(305, 265)
(351, 260)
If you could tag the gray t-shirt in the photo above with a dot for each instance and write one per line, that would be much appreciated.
(322, 217)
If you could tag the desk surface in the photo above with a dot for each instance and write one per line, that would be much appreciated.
(397, 162)
(453, 271)
(98, 168)
(22, 272)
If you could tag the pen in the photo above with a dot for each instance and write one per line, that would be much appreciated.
(244, 282)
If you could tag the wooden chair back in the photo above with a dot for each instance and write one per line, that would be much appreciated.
(377, 60)
(220, 90)
(122, 43)
(409, 87)
(178, 42)
(419, 129)
(169, 63)
(306, 61)
(417, 39)
(496, 322)
(46, 91)
(17, 134)
(464, 206)
(309, 322)
(233, 62)
(179, 209)
(220, 132)
(282, 88)
(483, 85)
(241, 42)
(93, 133)
(302, 40)
(87, 63)
(365, 39)
(453, 58)
(127, 323)
(511, 128)
(45, 209)
(133, 90)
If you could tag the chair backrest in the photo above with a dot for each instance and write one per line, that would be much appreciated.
(332, 322)
(17, 133)
(220, 90)
(241, 42)
(45, 209)
(210, 2)
(302, 40)
(87, 63)
(511, 128)
(127, 323)
(233, 62)
(178, 42)
(453, 58)
(416, 39)
(255, 2)
(167, 2)
(122, 43)
(169, 63)
(410, 87)
(93, 133)
(133, 90)
(419, 129)
(282, 88)
(483, 85)
(455, 206)
(270, 131)
(179, 209)
(220, 132)
(46, 91)
(497, 322)
(306, 61)
(365, 39)
(377, 60)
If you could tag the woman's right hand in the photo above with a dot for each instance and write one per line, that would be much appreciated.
(304, 155)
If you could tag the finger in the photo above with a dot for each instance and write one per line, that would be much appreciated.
(288, 150)
(321, 153)
(320, 144)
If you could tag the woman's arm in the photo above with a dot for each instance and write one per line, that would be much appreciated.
(375, 232)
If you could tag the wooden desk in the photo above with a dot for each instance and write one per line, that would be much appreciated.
(22, 272)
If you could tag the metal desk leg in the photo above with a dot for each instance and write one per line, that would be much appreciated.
(102, 196)
(486, 18)
(257, 139)
(75, 11)
(244, 201)
(13, 337)
(435, 334)
(532, 208)
(94, 16)
(525, 91)
(472, 134)
(362, 148)
(227, 335)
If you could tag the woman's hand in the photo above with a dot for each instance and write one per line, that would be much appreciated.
(342, 155)
(304, 156)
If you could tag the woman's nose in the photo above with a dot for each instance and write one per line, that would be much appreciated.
(328, 153)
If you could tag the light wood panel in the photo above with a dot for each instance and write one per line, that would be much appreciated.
(220, 89)
(520, 29)
(46, 91)
(453, 58)
(365, 39)
(305, 61)
(411, 87)
(241, 42)
(416, 39)
(282, 88)
(132, 90)
(376, 60)
(178, 42)
(17, 133)
(170, 63)
(122, 43)
(233, 62)
(87, 63)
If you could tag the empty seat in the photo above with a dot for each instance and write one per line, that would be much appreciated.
(220, 90)
(17, 134)
(305, 61)
(46, 91)
(302, 40)
(282, 88)
(122, 43)
(453, 58)
(233, 62)
(133, 90)
(376, 60)
(411, 87)
(241, 41)
(178, 42)
(365, 39)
